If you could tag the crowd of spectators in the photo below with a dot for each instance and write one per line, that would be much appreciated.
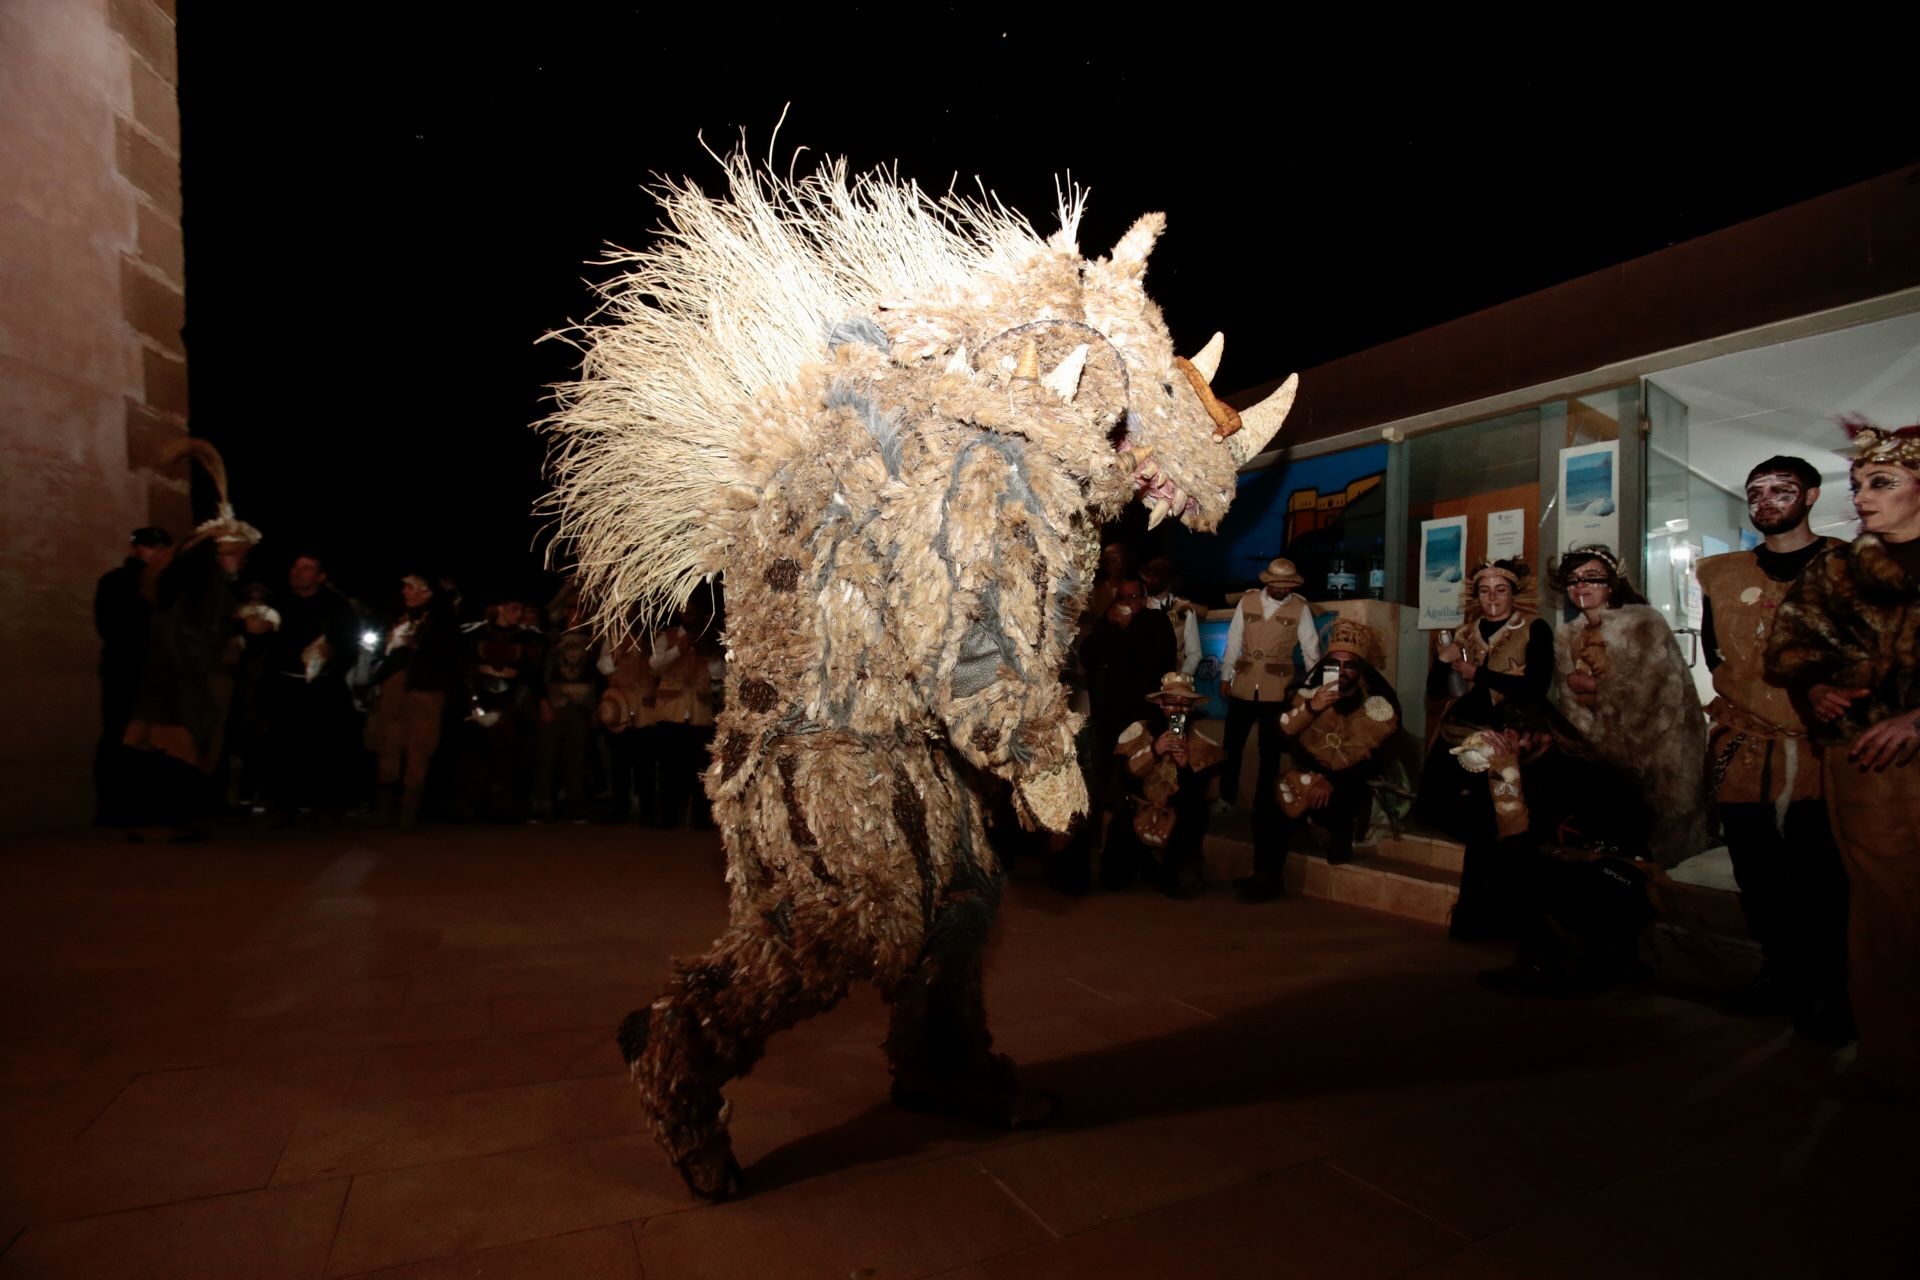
(418, 707)
(1574, 763)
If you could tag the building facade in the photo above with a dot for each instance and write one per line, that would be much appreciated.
(93, 371)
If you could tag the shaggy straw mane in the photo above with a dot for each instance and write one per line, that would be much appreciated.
(736, 297)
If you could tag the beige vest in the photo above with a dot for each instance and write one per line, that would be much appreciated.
(1265, 668)
(685, 693)
(1507, 655)
(1758, 742)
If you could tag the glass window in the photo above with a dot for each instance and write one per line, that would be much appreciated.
(1474, 471)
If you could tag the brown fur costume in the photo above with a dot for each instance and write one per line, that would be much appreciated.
(1645, 719)
(895, 424)
(1849, 620)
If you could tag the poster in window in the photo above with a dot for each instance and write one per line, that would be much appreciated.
(1590, 496)
(1443, 570)
(1506, 534)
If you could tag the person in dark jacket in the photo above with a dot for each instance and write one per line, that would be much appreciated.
(179, 715)
(503, 665)
(570, 693)
(122, 612)
(310, 738)
(419, 664)
(1124, 656)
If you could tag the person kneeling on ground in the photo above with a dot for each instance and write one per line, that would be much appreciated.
(1342, 721)
(1168, 759)
(1553, 868)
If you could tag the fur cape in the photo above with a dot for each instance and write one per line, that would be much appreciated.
(1851, 620)
(1647, 721)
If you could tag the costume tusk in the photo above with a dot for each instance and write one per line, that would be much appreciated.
(1064, 381)
(1208, 360)
(1029, 366)
(1259, 424)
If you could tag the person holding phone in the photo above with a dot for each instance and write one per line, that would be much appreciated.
(1169, 757)
(1342, 721)
(1502, 650)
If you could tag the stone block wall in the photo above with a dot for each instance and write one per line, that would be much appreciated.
(93, 369)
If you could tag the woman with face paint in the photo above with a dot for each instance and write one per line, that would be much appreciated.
(1847, 642)
(1624, 686)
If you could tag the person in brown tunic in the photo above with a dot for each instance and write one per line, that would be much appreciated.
(1846, 640)
(1342, 723)
(1168, 758)
(1501, 650)
(1761, 769)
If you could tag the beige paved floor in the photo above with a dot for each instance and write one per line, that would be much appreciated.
(346, 1053)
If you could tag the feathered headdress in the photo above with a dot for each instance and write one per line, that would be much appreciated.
(225, 525)
(1870, 443)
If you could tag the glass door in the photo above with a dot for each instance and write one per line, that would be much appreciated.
(1674, 541)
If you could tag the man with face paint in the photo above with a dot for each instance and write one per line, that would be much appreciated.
(1762, 769)
(1847, 641)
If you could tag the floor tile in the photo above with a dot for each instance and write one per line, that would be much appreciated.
(412, 1215)
(175, 1135)
(283, 1232)
(605, 1253)
(369, 1136)
(917, 1220)
(1310, 1222)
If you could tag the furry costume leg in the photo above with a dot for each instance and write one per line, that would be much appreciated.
(710, 1025)
(840, 851)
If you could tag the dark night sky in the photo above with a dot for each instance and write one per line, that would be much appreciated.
(383, 217)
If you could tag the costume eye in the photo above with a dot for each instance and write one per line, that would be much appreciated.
(1168, 388)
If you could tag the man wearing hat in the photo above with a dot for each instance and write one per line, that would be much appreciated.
(1258, 669)
(122, 609)
(1167, 756)
(1341, 721)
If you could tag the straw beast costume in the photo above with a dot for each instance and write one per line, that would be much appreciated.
(895, 424)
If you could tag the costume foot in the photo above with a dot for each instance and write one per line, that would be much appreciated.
(632, 1035)
(711, 1172)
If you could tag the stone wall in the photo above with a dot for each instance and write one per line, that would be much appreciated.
(93, 371)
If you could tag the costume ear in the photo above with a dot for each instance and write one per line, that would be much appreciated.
(1130, 254)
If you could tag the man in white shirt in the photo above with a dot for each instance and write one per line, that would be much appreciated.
(1257, 673)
